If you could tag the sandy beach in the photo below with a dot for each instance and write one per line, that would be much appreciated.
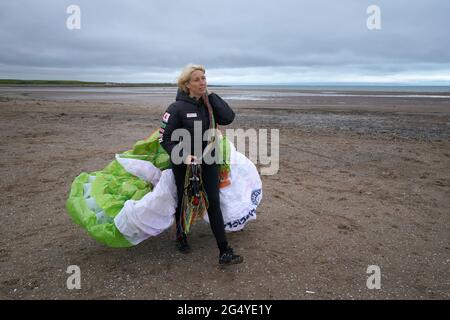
(364, 179)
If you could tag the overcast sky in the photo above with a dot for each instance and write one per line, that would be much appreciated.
(238, 41)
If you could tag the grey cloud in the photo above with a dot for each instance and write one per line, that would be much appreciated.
(137, 35)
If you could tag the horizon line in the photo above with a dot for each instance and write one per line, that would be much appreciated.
(342, 83)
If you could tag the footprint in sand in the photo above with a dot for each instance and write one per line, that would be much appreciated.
(4, 255)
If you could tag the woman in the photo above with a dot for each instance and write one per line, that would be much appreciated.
(195, 104)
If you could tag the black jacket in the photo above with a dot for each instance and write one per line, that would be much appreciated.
(185, 110)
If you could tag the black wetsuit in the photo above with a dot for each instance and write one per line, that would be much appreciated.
(182, 114)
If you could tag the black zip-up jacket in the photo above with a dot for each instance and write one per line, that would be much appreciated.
(185, 110)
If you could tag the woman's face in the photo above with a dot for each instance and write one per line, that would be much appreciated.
(197, 84)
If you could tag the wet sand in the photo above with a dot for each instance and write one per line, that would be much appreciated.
(362, 181)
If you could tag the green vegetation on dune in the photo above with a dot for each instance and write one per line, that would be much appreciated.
(80, 83)
(62, 82)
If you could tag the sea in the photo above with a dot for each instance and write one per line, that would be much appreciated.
(232, 92)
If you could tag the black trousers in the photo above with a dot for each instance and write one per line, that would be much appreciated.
(210, 177)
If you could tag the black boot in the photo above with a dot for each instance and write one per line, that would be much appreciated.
(228, 257)
(182, 243)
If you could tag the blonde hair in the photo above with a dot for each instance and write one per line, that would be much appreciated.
(185, 75)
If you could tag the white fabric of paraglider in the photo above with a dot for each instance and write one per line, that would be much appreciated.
(151, 215)
(141, 169)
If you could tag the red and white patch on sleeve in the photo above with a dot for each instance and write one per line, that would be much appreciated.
(166, 117)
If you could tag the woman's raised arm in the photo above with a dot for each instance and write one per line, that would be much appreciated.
(223, 114)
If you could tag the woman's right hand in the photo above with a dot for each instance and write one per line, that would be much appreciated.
(189, 159)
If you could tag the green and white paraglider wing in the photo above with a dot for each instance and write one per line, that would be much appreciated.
(134, 197)
(96, 198)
